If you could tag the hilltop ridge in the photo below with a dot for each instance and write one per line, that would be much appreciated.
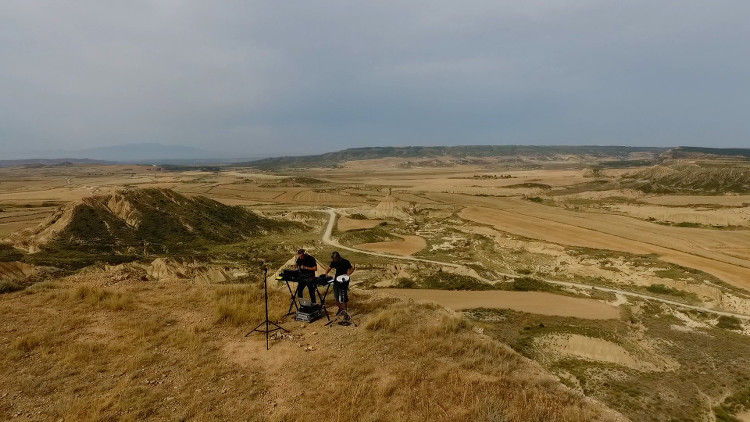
(151, 219)
(462, 151)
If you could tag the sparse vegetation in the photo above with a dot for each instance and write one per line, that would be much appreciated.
(661, 289)
(101, 344)
(732, 405)
(102, 298)
(528, 284)
(691, 178)
(530, 185)
(7, 286)
(9, 253)
(359, 236)
(450, 281)
(237, 304)
(639, 395)
(169, 356)
(729, 323)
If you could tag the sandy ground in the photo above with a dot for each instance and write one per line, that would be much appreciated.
(453, 179)
(532, 302)
(682, 200)
(709, 217)
(346, 224)
(724, 254)
(410, 245)
(324, 198)
(590, 348)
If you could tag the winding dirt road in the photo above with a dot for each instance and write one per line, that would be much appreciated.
(328, 240)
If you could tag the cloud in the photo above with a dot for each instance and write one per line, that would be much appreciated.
(264, 77)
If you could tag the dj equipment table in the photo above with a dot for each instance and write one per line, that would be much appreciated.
(306, 313)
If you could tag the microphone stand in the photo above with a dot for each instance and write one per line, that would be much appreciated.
(267, 323)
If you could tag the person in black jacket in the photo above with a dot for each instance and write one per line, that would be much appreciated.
(307, 265)
(344, 269)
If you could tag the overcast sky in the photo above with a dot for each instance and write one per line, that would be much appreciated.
(292, 77)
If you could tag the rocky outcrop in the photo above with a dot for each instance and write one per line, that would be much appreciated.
(16, 271)
(172, 269)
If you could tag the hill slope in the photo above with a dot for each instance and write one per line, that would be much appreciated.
(691, 178)
(150, 219)
(169, 351)
(701, 152)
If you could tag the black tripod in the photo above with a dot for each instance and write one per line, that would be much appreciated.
(267, 323)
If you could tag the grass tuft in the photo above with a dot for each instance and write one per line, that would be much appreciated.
(7, 286)
(102, 298)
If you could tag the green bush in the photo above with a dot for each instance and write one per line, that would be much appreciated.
(405, 283)
(528, 284)
(729, 323)
(9, 253)
(660, 289)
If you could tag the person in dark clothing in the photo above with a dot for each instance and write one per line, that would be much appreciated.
(307, 265)
(344, 269)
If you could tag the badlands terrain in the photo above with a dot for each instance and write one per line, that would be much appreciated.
(559, 285)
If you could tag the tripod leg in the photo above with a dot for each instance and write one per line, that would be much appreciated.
(267, 322)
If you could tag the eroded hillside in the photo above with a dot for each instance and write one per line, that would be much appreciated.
(144, 219)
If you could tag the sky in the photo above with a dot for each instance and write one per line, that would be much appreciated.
(259, 78)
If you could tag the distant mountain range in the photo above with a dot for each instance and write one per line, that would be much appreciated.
(368, 153)
(698, 152)
(146, 152)
(140, 153)
(49, 162)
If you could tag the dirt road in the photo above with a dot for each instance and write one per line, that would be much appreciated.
(332, 220)
(532, 302)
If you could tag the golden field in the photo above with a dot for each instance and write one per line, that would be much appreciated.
(482, 292)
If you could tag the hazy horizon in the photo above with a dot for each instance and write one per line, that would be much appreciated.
(252, 79)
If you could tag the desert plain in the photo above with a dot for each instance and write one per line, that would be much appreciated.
(561, 290)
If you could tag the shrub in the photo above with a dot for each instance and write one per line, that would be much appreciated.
(729, 323)
(661, 289)
(7, 286)
(449, 281)
(528, 284)
(9, 253)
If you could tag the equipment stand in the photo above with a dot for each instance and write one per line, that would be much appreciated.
(345, 321)
(267, 323)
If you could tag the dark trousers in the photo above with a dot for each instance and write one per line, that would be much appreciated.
(310, 284)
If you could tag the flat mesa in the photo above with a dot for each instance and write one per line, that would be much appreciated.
(531, 302)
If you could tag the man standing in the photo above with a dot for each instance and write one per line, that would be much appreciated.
(343, 269)
(307, 265)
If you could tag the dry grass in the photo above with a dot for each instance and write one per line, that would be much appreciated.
(161, 351)
(101, 297)
(238, 304)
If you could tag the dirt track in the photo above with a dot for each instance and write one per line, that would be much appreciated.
(332, 219)
(346, 224)
(409, 246)
(532, 302)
